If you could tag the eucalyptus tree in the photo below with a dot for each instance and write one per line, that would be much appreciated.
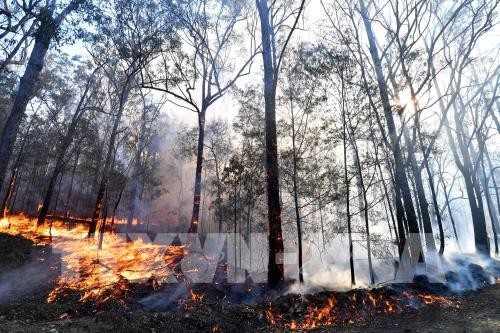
(50, 19)
(84, 102)
(207, 61)
(300, 101)
(276, 33)
(130, 36)
(18, 21)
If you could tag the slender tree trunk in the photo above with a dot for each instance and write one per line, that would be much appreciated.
(16, 192)
(475, 200)
(465, 167)
(54, 211)
(493, 180)
(296, 197)
(491, 208)
(195, 217)
(62, 150)
(71, 184)
(363, 201)
(401, 181)
(275, 237)
(347, 185)
(388, 199)
(109, 156)
(436, 207)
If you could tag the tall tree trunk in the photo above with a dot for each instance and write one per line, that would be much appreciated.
(347, 185)
(423, 207)
(296, 196)
(493, 180)
(13, 177)
(491, 207)
(416, 169)
(478, 220)
(71, 184)
(363, 203)
(465, 167)
(195, 217)
(275, 273)
(109, 156)
(401, 181)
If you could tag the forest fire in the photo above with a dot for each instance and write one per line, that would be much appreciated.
(339, 309)
(96, 275)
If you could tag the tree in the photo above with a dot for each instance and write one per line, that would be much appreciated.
(272, 57)
(209, 29)
(50, 23)
(126, 44)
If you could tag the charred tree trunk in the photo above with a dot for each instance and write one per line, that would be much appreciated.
(295, 176)
(195, 217)
(71, 184)
(363, 202)
(494, 181)
(275, 237)
(13, 177)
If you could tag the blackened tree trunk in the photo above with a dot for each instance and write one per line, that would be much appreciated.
(295, 180)
(275, 236)
(417, 170)
(195, 217)
(71, 185)
(363, 202)
(491, 207)
(137, 173)
(14, 175)
(496, 188)
(478, 219)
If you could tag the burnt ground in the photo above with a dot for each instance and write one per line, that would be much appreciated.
(23, 308)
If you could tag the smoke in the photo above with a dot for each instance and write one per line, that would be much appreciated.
(328, 268)
(33, 277)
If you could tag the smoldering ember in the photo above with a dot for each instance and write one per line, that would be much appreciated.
(249, 166)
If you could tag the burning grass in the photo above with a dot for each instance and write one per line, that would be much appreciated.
(97, 275)
(327, 309)
(123, 273)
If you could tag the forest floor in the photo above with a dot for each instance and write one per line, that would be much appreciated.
(23, 308)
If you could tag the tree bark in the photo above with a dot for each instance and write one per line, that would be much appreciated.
(195, 217)
(276, 248)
